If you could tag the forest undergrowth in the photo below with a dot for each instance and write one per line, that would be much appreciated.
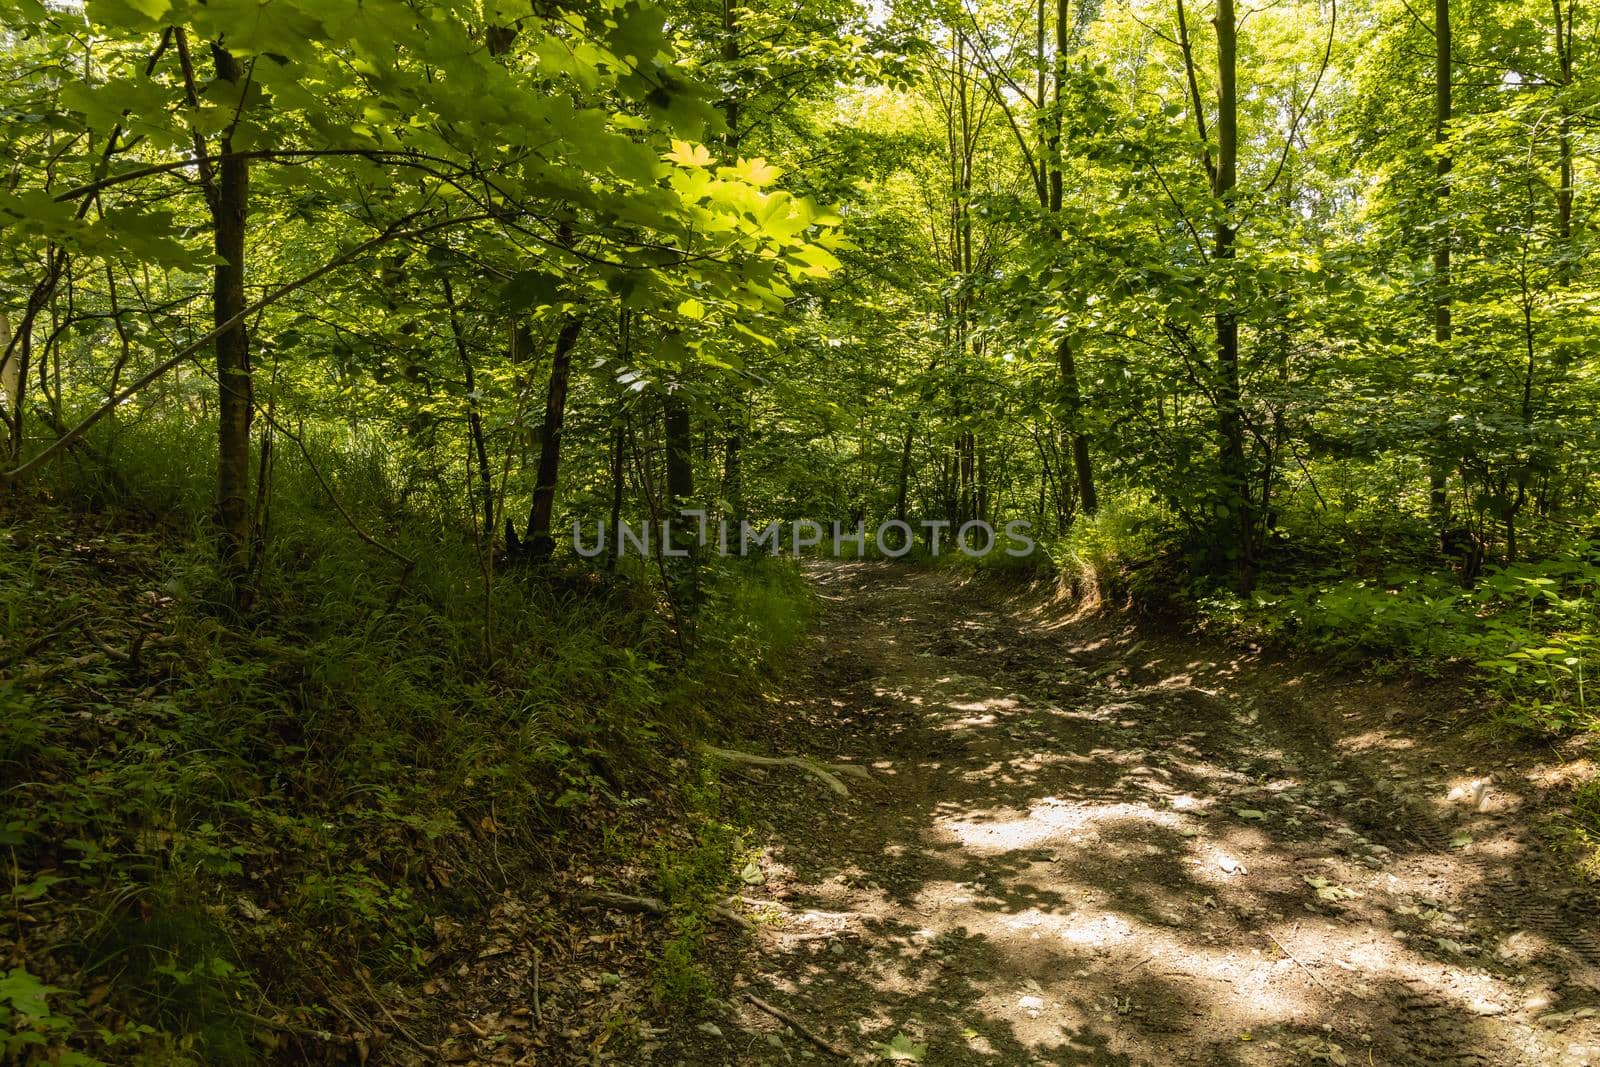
(217, 822)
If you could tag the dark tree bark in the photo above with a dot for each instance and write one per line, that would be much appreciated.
(1438, 501)
(1564, 57)
(733, 446)
(733, 473)
(619, 442)
(229, 203)
(474, 418)
(538, 541)
(904, 481)
(680, 461)
(1066, 359)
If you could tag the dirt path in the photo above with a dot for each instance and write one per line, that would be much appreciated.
(1086, 846)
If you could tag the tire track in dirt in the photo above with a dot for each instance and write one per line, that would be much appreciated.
(1075, 851)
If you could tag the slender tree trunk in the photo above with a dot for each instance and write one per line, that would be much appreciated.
(619, 442)
(1077, 440)
(680, 462)
(474, 418)
(1438, 500)
(519, 352)
(538, 541)
(733, 446)
(10, 384)
(1564, 141)
(1066, 360)
(1240, 521)
(733, 473)
(236, 397)
(904, 482)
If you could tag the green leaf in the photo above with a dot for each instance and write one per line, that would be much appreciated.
(902, 1049)
(529, 289)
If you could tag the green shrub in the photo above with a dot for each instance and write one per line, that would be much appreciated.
(693, 879)
(1531, 631)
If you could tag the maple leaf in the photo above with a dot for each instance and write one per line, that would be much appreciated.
(686, 154)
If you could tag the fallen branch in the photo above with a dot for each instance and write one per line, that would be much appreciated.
(295, 1028)
(800, 1028)
(99, 642)
(1291, 957)
(626, 902)
(387, 1014)
(538, 1013)
(655, 906)
(103, 654)
(828, 774)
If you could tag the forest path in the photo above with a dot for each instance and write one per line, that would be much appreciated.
(1083, 844)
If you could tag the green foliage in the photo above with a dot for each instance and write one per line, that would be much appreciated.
(1108, 549)
(25, 1012)
(1353, 622)
(694, 877)
(1530, 631)
(1540, 641)
(514, 267)
(754, 610)
(1583, 829)
(273, 808)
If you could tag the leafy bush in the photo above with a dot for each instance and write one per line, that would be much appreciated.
(694, 877)
(1530, 631)
(1539, 641)
(1116, 550)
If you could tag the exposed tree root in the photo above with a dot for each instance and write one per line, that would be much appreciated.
(656, 906)
(799, 1027)
(828, 774)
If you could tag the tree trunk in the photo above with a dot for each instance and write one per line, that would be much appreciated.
(733, 474)
(538, 542)
(1072, 404)
(236, 399)
(680, 462)
(10, 383)
(904, 481)
(619, 441)
(18, 355)
(1066, 360)
(733, 446)
(1438, 501)
(474, 419)
(1564, 143)
(1239, 520)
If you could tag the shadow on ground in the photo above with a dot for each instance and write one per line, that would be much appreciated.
(1082, 846)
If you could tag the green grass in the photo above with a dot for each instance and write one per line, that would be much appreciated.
(1583, 832)
(694, 873)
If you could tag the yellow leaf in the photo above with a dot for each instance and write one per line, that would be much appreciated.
(757, 171)
(689, 155)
